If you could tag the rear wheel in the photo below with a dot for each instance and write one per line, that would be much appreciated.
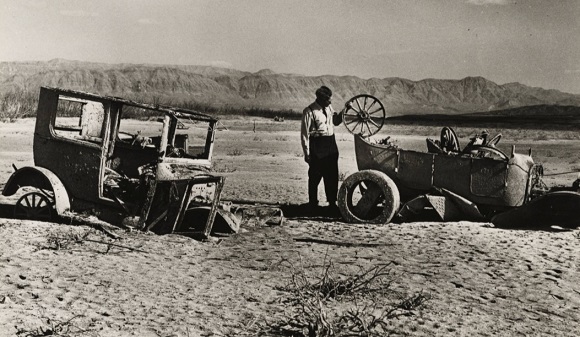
(449, 141)
(368, 196)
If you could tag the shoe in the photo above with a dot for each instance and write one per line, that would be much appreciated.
(310, 208)
(333, 209)
(312, 205)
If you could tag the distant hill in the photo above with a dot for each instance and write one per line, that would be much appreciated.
(561, 117)
(176, 84)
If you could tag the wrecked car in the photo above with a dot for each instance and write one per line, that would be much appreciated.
(477, 182)
(89, 158)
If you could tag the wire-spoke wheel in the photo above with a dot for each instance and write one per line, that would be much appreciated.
(34, 206)
(449, 141)
(364, 115)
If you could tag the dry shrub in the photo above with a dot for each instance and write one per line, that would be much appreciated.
(374, 280)
(374, 320)
(17, 104)
(54, 327)
(222, 168)
(235, 152)
(361, 304)
(570, 136)
(65, 239)
(541, 136)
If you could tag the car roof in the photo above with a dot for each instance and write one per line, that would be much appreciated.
(170, 110)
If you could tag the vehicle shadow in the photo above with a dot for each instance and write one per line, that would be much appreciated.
(307, 212)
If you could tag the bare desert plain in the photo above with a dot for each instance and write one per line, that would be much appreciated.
(314, 276)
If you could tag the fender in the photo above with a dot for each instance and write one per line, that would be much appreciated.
(42, 178)
(555, 208)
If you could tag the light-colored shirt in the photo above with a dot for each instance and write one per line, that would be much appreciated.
(316, 123)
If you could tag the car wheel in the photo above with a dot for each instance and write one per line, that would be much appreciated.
(368, 196)
(34, 206)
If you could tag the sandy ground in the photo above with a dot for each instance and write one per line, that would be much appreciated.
(479, 280)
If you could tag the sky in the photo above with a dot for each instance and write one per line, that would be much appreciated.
(534, 42)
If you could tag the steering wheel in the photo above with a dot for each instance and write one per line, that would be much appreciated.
(485, 151)
(493, 142)
(364, 115)
(449, 140)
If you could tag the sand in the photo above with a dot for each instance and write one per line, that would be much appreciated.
(478, 280)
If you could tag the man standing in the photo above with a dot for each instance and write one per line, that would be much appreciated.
(319, 146)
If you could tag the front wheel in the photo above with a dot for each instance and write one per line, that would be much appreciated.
(34, 206)
(368, 196)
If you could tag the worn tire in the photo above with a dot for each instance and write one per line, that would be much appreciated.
(381, 206)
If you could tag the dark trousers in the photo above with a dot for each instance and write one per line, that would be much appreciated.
(323, 165)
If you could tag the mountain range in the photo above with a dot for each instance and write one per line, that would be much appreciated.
(266, 89)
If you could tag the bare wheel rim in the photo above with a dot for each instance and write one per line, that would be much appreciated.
(365, 115)
(34, 206)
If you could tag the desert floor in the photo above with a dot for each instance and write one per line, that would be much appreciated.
(475, 280)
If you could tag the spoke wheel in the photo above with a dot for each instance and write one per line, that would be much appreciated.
(34, 206)
(493, 142)
(368, 196)
(364, 115)
(449, 140)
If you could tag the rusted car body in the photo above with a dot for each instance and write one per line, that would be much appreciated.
(478, 182)
(88, 158)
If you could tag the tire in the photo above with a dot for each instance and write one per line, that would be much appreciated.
(377, 203)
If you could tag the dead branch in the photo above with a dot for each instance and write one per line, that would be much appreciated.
(55, 328)
(316, 305)
(120, 246)
(93, 222)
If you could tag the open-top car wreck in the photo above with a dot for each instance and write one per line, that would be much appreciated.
(476, 182)
(89, 159)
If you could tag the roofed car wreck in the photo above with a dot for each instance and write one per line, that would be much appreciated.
(477, 182)
(88, 158)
